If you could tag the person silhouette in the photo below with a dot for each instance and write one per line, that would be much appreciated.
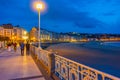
(27, 48)
(22, 48)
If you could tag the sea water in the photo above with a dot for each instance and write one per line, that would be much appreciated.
(116, 44)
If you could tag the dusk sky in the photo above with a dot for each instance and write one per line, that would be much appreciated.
(84, 16)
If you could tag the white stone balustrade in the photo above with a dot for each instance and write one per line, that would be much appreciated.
(67, 69)
(43, 57)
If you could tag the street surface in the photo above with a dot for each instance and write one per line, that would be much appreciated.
(13, 66)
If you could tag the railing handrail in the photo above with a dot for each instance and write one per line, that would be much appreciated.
(77, 63)
(107, 75)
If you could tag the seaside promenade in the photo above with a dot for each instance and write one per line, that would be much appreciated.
(66, 65)
(13, 66)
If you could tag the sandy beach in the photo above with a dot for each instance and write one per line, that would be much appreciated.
(96, 55)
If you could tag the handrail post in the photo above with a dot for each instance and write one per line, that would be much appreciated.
(51, 63)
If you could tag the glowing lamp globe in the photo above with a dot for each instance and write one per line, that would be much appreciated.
(39, 6)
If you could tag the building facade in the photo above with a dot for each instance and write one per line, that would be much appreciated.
(45, 35)
(49, 36)
(34, 34)
(12, 32)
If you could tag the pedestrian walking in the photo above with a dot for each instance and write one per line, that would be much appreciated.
(27, 48)
(22, 48)
(15, 46)
(9, 46)
(0, 44)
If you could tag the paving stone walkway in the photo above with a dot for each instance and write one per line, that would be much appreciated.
(13, 66)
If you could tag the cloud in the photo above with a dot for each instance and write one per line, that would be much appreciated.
(109, 14)
(63, 11)
(89, 23)
(108, 0)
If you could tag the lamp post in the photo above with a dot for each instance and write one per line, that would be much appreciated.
(39, 7)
